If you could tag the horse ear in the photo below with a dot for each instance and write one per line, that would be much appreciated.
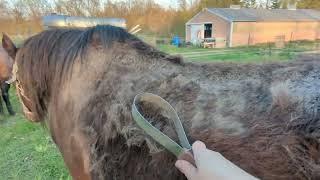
(9, 46)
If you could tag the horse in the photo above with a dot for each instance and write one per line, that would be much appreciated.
(81, 84)
(6, 66)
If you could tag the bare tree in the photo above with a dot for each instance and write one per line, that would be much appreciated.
(287, 3)
(4, 9)
(79, 7)
(36, 8)
(18, 12)
(249, 3)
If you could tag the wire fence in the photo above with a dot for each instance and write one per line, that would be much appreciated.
(279, 50)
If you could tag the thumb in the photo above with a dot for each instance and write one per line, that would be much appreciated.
(198, 152)
(186, 168)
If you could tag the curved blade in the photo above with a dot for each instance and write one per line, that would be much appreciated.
(157, 135)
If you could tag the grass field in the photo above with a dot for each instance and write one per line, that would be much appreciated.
(26, 150)
(256, 54)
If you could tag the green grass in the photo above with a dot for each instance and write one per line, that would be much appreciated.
(26, 149)
(249, 57)
(252, 54)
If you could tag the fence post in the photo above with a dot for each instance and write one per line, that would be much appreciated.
(269, 46)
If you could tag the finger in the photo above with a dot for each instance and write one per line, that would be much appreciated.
(187, 156)
(198, 149)
(186, 168)
(198, 145)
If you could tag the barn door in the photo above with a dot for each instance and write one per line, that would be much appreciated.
(196, 33)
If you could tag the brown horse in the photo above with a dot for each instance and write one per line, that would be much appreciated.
(264, 118)
(6, 65)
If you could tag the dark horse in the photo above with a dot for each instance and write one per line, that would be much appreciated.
(81, 83)
(6, 65)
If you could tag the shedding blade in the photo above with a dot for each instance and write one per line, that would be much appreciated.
(157, 135)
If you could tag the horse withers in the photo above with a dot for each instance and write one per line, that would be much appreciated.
(6, 66)
(265, 118)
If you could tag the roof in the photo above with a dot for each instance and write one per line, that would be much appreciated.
(245, 14)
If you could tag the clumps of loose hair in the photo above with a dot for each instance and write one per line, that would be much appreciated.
(282, 97)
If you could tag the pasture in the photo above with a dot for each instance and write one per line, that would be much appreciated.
(27, 151)
(253, 54)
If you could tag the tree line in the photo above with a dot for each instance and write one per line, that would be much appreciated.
(151, 16)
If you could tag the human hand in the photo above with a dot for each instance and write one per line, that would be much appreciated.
(210, 166)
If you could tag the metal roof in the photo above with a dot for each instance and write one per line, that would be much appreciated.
(245, 14)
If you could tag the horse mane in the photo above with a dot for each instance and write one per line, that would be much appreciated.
(46, 58)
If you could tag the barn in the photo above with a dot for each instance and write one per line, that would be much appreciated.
(229, 27)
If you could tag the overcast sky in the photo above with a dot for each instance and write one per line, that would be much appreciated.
(174, 3)
(167, 3)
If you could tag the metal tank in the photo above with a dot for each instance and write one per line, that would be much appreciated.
(62, 21)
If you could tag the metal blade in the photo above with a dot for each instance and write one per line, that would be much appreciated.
(157, 135)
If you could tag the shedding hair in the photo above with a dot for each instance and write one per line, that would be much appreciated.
(281, 95)
(84, 81)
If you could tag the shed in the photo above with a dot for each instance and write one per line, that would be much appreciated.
(229, 27)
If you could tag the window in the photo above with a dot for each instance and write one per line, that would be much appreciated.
(207, 30)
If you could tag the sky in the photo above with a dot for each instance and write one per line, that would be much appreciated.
(174, 3)
(167, 3)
